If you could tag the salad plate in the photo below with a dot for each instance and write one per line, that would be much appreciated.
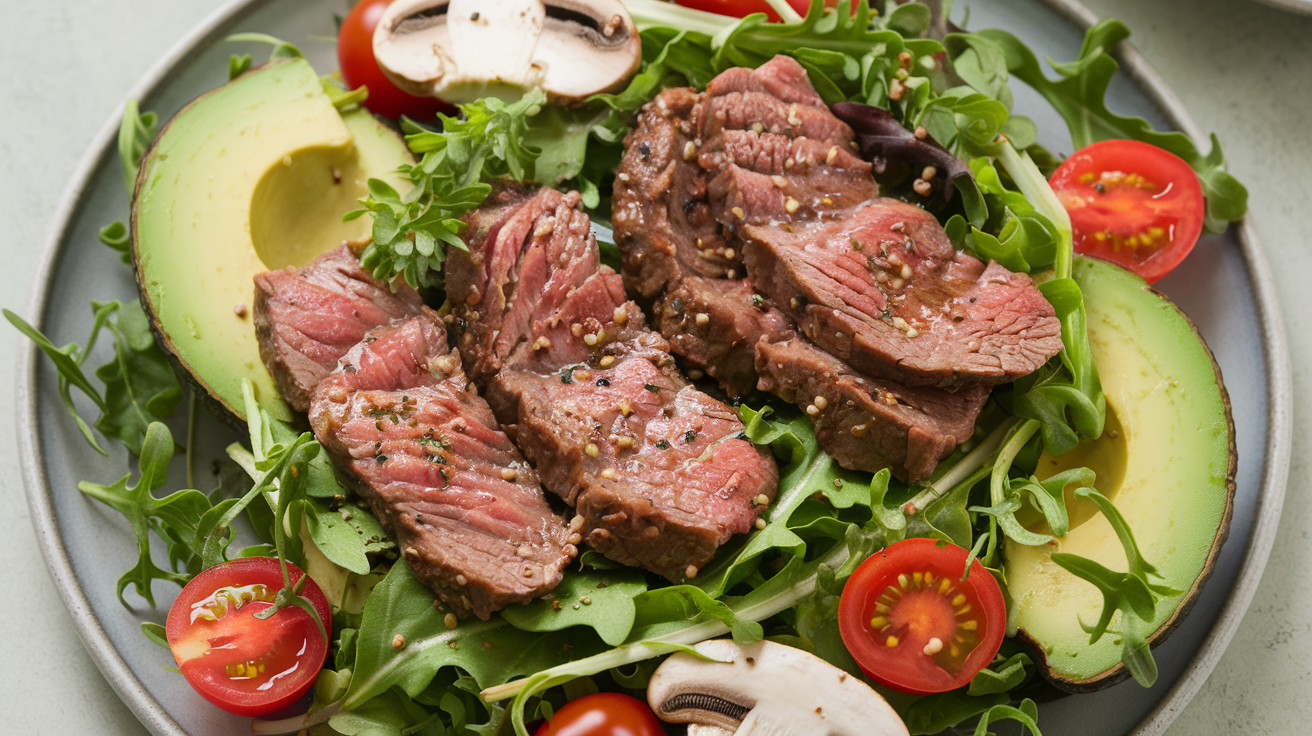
(1225, 287)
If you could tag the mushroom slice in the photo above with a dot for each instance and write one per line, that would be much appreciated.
(766, 689)
(462, 50)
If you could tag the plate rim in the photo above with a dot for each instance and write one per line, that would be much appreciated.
(156, 719)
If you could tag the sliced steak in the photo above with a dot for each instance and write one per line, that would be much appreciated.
(870, 423)
(884, 291)
(427, 456)
(715, 324)
(700, 166)
(592, 399)
(659, 472)
(765, 178)
(308, 318)
(663, 222)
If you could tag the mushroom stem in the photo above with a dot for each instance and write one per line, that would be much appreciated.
(697, 729)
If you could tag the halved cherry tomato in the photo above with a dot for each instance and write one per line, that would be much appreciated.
(744, 8)
(914, 625)
(603, 714)
(355, 54)
(1133, 204)
(240, 663)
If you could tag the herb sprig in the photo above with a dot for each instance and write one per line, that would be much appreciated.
(412, 231)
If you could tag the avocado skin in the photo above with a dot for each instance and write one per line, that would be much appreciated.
(1086, 269)
(227, 413)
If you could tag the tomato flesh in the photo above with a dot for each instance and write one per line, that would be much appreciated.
(240, 663)
(1133, 204)
(355, 55)
(603, 714)
(913, 625)
(744, 8)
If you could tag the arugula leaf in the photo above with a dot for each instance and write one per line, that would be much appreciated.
(1131, 592)
(135, 134)
(572, 603)
(68, 362)
(411, 232)
(1026, 715)
(238, 64)
(140, 385)
(347, 535)
(402, 606)
(116, 236)
(987, 692)
(281, 48)
(1011, 231)
(1067, 397)
(1079, 96)
(174, 518)
(1002, 675)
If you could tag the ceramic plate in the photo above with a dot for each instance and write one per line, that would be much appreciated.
(1293, 6)
(87, 545)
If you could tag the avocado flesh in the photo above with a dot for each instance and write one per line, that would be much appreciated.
(1166, 459)
(250, 177)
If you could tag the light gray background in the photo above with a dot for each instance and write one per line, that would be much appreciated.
(1244, 70)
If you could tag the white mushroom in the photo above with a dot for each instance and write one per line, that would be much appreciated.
(461, 50)
(766, 689)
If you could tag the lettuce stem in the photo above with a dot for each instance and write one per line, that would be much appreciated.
(1036, 189)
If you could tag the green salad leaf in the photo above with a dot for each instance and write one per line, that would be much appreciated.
(140, 386)
(1132, 593)
(1079, 93)
(175, 519)
(411, 232)
(135, 134)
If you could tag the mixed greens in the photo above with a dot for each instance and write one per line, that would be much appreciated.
(605, 624)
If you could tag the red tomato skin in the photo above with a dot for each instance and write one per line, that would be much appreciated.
(603, 714)
(355, 55)
(902, 669)
(239, 627)
(744, 8)
(1170, 202)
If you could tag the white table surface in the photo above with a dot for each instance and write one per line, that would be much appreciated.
(1243, 69)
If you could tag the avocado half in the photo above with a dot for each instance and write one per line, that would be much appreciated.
(252, 176)
(1166, 459)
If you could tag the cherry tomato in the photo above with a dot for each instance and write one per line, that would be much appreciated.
(240, 663)
(744, 8)
(1133, 204)
(913, 625)
(603, 714)
(355, 54)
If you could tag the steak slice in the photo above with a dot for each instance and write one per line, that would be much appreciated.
(662, 220)
(884, 291)
(765, 178)
(722, 344)
(590, 395)
(870, 423)
(307, 318)
(700, 166)
(659, 472)
(427, 456)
